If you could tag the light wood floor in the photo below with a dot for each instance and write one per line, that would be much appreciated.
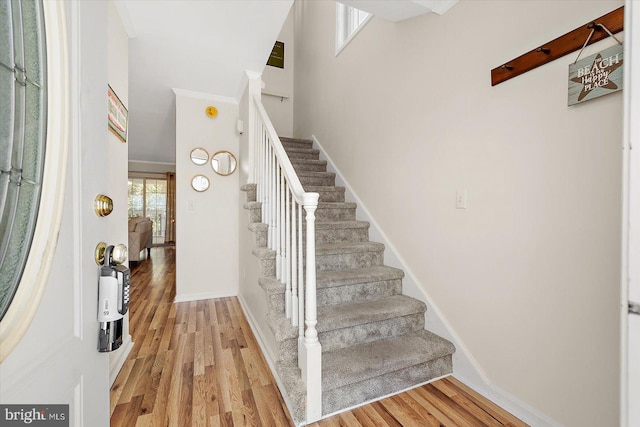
(198, 364)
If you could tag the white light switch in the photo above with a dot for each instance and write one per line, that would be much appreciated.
(191, 205)
(461, 199)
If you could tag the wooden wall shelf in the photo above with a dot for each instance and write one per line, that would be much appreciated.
(563, 45)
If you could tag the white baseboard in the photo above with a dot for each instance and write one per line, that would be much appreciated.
(466, 367)
(121, 357)
(202, 295)
(267, 354)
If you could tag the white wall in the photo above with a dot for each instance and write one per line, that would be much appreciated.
(280, 81)
(207, 222)
(118, 74)
(527, 275)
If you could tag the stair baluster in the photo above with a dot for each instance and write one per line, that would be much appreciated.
(283, 198)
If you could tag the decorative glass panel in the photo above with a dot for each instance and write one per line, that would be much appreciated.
(22, 135)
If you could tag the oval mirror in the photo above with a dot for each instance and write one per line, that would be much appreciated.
(199, 156)
(224, 163)
(200, 183)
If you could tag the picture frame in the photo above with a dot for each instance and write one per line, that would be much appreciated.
(118, 116)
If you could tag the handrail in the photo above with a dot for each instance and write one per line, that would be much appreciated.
(282, 199)
(289, 172)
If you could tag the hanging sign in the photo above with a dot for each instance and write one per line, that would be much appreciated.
(276, 59)
(596, 75)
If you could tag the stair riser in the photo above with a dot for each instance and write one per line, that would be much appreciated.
(331, 196)
(296, 144)
(350, 260)
(343, 294)
(322, 236)
(347, 337)
(326, 181)
(255, 214)
(334, 214)
(358, 292)
(268, 268)
(343, 235)
(393, 382)
(260, 238)
(311, 155)
(309, 167)
(251, 195)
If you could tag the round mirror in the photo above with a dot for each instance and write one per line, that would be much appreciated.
(224, 163)
(199, 156)
(200, 183)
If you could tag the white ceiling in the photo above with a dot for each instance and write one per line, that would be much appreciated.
(201, 46)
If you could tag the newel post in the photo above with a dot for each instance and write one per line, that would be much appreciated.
(312, 369)
(255, 90)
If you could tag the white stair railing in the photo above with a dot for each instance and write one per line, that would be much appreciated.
(282, 197)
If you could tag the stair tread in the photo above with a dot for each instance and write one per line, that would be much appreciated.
(318, 188)
(339, 225)
(289, 139)
(347, 247)
(353, 364)
(317, 174)
(336, 205)
(339, 316)
(308, 162)
(329, 278)
(290, 149)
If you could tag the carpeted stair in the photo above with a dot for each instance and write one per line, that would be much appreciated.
(373, 337)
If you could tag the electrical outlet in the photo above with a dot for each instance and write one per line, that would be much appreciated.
(461, 199)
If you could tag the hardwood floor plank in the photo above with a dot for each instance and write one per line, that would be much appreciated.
(433, 410)
(494, 410)
(199, 413)
(119, 383)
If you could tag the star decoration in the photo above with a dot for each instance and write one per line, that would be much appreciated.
(598, 76)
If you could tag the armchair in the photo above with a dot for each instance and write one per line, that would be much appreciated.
(140, 237)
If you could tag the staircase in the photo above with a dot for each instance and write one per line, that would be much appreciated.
(373, 337)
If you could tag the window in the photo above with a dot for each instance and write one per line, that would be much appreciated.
(148, 197)
(349, 21)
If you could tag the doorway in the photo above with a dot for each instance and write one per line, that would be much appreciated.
(154, 197)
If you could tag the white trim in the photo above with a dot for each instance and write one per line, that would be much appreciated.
(340, 46)
(75, 169)
(267, 356)
(118, 362)
(204, 95)
(27, 299)
(469, 370)
(201, 296)
(630, 265)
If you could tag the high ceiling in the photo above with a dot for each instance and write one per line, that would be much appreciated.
(201, 46)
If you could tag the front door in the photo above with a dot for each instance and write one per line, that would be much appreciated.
(56, 360)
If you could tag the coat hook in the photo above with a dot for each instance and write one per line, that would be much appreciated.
(590, 25)
(507, 67)
(543, 49)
